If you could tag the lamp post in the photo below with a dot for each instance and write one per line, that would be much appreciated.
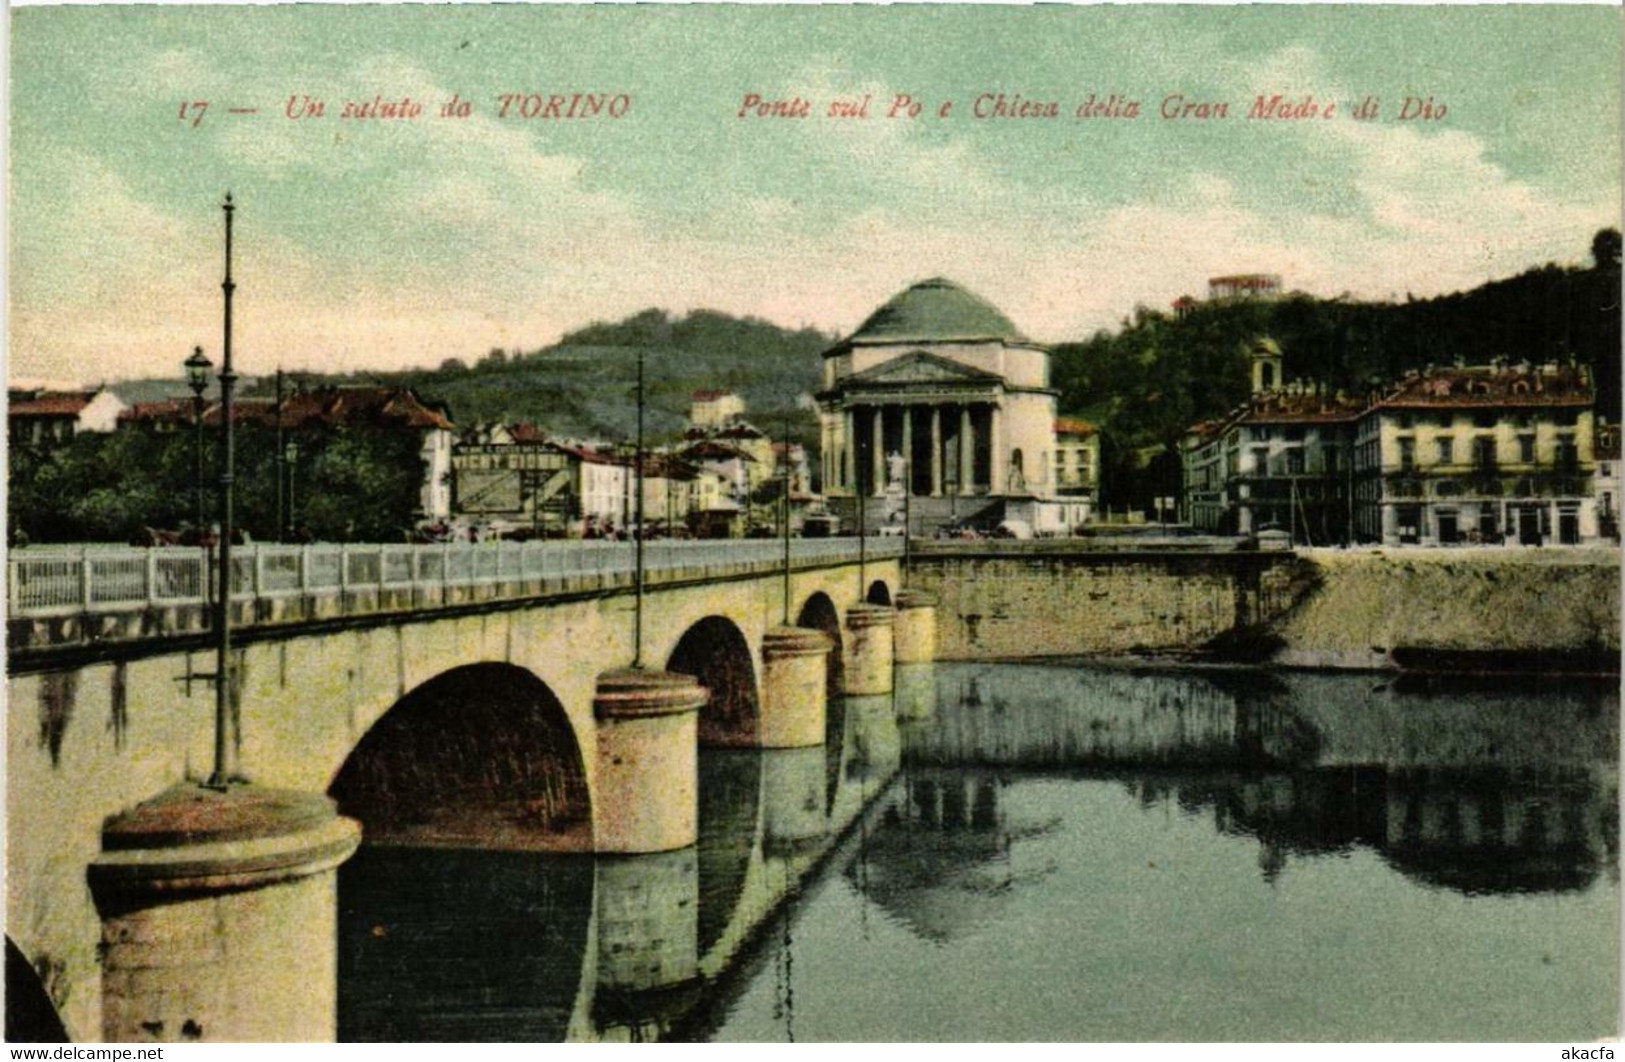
(281, 467)
(197, 378)
(221, 776)
(637, 532)
(291, 463)
(786, 473)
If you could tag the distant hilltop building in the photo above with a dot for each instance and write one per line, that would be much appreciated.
(1244, 286)
(1230, 288)
(938, 398)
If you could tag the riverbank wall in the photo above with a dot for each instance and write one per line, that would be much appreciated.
(1408, 609)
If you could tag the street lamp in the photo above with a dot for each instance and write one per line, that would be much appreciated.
(222, 776)
(197, 378)
(290, 462)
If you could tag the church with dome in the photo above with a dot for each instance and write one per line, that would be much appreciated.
(937, 397)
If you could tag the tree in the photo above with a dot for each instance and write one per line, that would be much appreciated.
(1605, 249)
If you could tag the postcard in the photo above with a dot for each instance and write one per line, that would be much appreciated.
(813, 523)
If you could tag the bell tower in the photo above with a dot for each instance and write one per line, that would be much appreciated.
(1267, 365)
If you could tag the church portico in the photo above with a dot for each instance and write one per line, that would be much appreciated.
(938, 400)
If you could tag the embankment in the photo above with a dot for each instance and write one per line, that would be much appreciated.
(1425, 609)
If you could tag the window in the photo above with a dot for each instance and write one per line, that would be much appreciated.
(1406, 422)
(1261, 459)
(1407, 454)
(1261, 434)
(1566, 418)
(1331, 461)
(1447, 451)
(1447, 420)
(1294, 462)
(1483, 420)
(1484, 453)
(1526, 448)
(1294, 434)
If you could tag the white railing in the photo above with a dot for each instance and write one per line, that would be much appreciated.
(57, 580)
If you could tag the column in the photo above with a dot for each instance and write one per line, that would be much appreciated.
(648, 769)
(908, 449)
(849, 444)
(219, 916)
(914, 632)
(879, 456)
(868, 649)
(936, 451)
(967, 453)
(793, 687)
(995, 453)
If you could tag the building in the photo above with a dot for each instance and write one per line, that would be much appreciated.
(1484, 454)
(709, 410)
(164, 415)
(41, 418)
(1077, 468)
(367, 407)
(1244, 286)
(1465, 455)
(938, 395)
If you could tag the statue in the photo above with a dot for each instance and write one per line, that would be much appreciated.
(894, 471)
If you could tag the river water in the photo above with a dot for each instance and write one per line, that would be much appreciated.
(1058, 852)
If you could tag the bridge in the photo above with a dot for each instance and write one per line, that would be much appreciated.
(450, 696)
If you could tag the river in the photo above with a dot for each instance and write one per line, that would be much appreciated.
(1058, 852)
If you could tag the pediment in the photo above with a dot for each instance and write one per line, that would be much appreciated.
(919, 367)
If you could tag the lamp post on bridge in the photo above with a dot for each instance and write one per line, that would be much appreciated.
(221, 777)
(197, 378)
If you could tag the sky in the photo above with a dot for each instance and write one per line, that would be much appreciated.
(388, 243)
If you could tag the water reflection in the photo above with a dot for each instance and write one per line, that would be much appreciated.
(1477, 788)
(440, 944)
(1050, 826)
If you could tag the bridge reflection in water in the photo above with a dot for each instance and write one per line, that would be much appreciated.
(1055, 852)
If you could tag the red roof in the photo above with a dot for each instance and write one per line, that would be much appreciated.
(52, 404)
(392, 406)
(1285, 407)
(168, 410)
(710, 448)
(1073, 426)
(709, 396)
(1486, 387)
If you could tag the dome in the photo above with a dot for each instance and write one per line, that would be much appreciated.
(936, 309)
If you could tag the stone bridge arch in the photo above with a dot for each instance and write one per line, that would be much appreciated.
(481, 755)
(715, 651)
(879, 593)
(819, 613)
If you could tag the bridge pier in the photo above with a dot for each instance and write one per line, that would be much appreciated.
(868, 650)
(793, 687)
(219, 911)
(915, 634)
(648, 740)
